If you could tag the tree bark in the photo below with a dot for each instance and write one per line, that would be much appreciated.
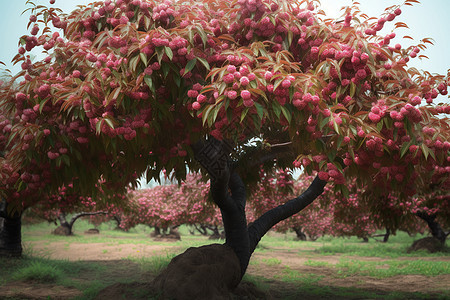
(232, 208)
(228, 193)
(264, 223)
(386, 236)
(10, 233)
(301, 236)
(66, 227)
(435, 229)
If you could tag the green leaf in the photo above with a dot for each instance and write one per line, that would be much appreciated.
(276, 109)
(291, 92)
(168, 52)
(177, 79)
(332, 154)
(98, 127)
(206, 113)
(190, 65)
(143, 58)
(165, 68)
(425, 150)
(339, 142)
(65, 159)
(324, 122)
(286, 113)
(380, 125)
(259, 110)
(244, 114)
(109, 122)
(405, 148)
(352, 89)
(320, 145)
(42, 104)
(204, 63)
(159, 53)
(133, 63)
(345, 190)
(148, 80)
(336, 127)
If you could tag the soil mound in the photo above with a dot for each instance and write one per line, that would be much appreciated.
(430, 244)
(61, 230)
(207, 272)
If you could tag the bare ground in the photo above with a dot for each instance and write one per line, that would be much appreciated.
(273, 265)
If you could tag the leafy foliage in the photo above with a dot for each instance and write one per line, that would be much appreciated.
(129, 85)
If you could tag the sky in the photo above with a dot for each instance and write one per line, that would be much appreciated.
(426, 19)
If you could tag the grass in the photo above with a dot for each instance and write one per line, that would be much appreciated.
(385, 269)
(395, 248)
(392, 268)
(154, 264)
(90, 277)
(38, 271)
(271, 261)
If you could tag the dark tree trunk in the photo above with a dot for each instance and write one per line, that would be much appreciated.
(228, 192)
(386, 236)
(435, 229)
(156, 232)
(242, 239)
(215, 230)
(232, 208)
(65, 227)
(201, 228)
(301, 236)
(10, 233)
(216, 274)
(118, 220)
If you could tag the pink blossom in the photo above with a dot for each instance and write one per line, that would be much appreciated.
(286, 83)
(246, 95)
(244, 81)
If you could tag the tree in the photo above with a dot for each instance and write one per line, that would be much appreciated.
(130, 86)
(58, 207)
(172, 205)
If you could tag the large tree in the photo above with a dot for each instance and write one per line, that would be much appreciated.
(131, 86)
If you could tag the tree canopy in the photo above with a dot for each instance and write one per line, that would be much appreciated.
(128, 86)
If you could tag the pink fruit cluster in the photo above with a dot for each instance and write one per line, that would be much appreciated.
(131, 84)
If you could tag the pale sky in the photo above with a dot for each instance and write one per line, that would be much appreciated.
(430, 18)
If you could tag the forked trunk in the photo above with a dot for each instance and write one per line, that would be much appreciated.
(216, 270)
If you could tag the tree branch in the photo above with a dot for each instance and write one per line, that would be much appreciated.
(83, 214)
(264, 223)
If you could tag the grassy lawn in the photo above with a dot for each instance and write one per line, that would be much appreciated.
(338, 268)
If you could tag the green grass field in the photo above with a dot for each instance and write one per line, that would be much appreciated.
(328, 268)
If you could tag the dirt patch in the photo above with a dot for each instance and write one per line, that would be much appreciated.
(129, 291)
(32, 290)
(275, 265)
(98, 251)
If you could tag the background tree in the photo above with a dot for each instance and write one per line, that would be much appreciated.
(65, 204)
